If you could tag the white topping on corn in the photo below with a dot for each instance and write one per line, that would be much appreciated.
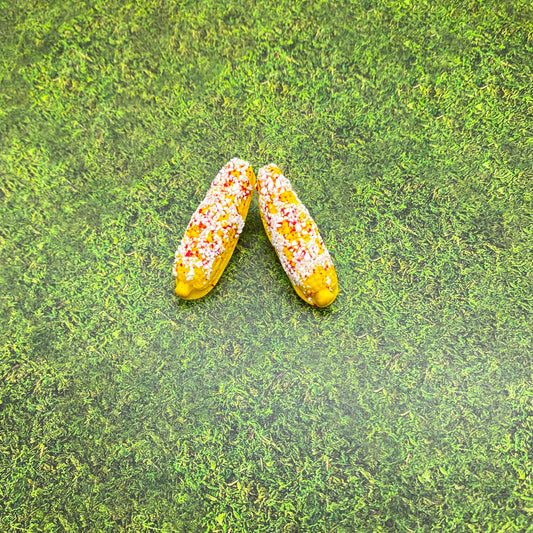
(291, 229)
(215, 222)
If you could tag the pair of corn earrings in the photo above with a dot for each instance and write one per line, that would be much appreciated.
(215, 226)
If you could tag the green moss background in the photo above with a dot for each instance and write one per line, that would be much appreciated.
(406, 127)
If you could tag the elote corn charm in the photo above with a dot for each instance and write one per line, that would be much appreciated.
(214, 230)
(296, 239)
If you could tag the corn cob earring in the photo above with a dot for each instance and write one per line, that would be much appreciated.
(214, 230)
(296, 239)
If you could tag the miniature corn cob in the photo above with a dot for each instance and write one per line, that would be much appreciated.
(214, 230)
(296, 239)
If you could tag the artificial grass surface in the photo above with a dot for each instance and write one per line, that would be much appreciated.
(406, 128)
